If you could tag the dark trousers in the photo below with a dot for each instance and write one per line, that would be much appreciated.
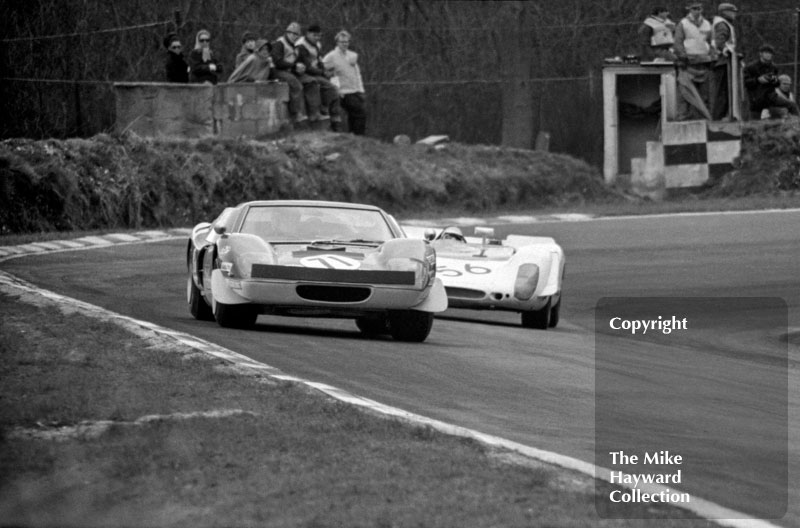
(354, 105)
(297, 107)
(719, 92)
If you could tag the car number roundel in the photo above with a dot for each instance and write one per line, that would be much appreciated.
(330, 262)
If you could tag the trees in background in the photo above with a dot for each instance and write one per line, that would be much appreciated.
(481, 72)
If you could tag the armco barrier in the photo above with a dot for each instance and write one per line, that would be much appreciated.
(200, 110)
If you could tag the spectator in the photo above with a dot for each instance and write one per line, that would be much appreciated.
(176, 68)
(256, 66)
(344, 65)
(761, 79)
(783, 102)
(303, 89)
(657, 36)
(204, 69)
(724, 42)
(310, 54)
(248, 47)
(694, 56)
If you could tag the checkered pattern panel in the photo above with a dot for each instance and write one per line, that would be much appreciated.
(696, 152)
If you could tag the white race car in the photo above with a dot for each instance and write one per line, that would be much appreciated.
(520, 273)
(313, 259)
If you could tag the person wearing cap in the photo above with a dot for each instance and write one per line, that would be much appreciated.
(304, 98)
(694, 56)
(256, 66)
(176, 68)
(783, 102)
(310, 54)
(761, 79)
(248, 47)
(657, 36)
(343, 62)
(724, 42)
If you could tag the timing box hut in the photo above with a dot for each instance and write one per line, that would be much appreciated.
(644, 142)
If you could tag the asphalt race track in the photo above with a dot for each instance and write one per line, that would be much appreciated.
(480, 369)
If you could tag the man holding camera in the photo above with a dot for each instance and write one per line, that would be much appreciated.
(761, 79)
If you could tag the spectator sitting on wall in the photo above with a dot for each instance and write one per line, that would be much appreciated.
(344, 64)
(256, 67)
(657, 36)
(309, 53)
(783, 102)
(304, 97)
(201, 60)
(176, 68)
(248, 47)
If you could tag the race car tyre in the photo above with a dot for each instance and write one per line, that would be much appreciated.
(234, 315)
(198, 306)
(555, 314)
(373, 325)
(539, 319)
(410, 325)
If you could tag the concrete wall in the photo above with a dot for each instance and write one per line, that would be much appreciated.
(199, 110)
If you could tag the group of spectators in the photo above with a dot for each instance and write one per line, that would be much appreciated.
(320, 86)
(707, 56)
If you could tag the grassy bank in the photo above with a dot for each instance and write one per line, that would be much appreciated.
(127, 182)
(112, 182)
(100, 427)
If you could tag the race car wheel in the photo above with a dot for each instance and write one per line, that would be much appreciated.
(555, 314)
(198, 306)
(234, 315)
(539, 319)
(410, 325)
(373, 325)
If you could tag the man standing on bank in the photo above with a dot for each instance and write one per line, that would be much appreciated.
(725, 72)
(344, 64)
(657, 36)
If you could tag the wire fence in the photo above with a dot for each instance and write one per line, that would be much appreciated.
(77, 104)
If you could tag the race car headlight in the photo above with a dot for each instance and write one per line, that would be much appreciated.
(527, 279)
(226, 268)
(430, 264)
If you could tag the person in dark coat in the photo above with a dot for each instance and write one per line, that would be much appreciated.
(203, 66)
(175, 65)
(761, 79)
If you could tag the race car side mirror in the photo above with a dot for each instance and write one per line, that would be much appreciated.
(219, 229)
(485, 232)
(430, 234)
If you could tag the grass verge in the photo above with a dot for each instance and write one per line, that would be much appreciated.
(99, 427)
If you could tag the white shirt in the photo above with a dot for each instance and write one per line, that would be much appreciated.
(345, 68)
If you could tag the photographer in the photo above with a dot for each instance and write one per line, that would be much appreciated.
(761, 79)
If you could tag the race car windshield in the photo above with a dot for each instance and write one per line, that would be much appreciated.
(298, 223)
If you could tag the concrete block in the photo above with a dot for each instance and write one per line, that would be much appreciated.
(683, 132)
(694, 175)
(723, 151)
(650, 181)
(236, 129)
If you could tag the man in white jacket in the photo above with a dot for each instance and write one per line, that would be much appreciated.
(344, 65)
